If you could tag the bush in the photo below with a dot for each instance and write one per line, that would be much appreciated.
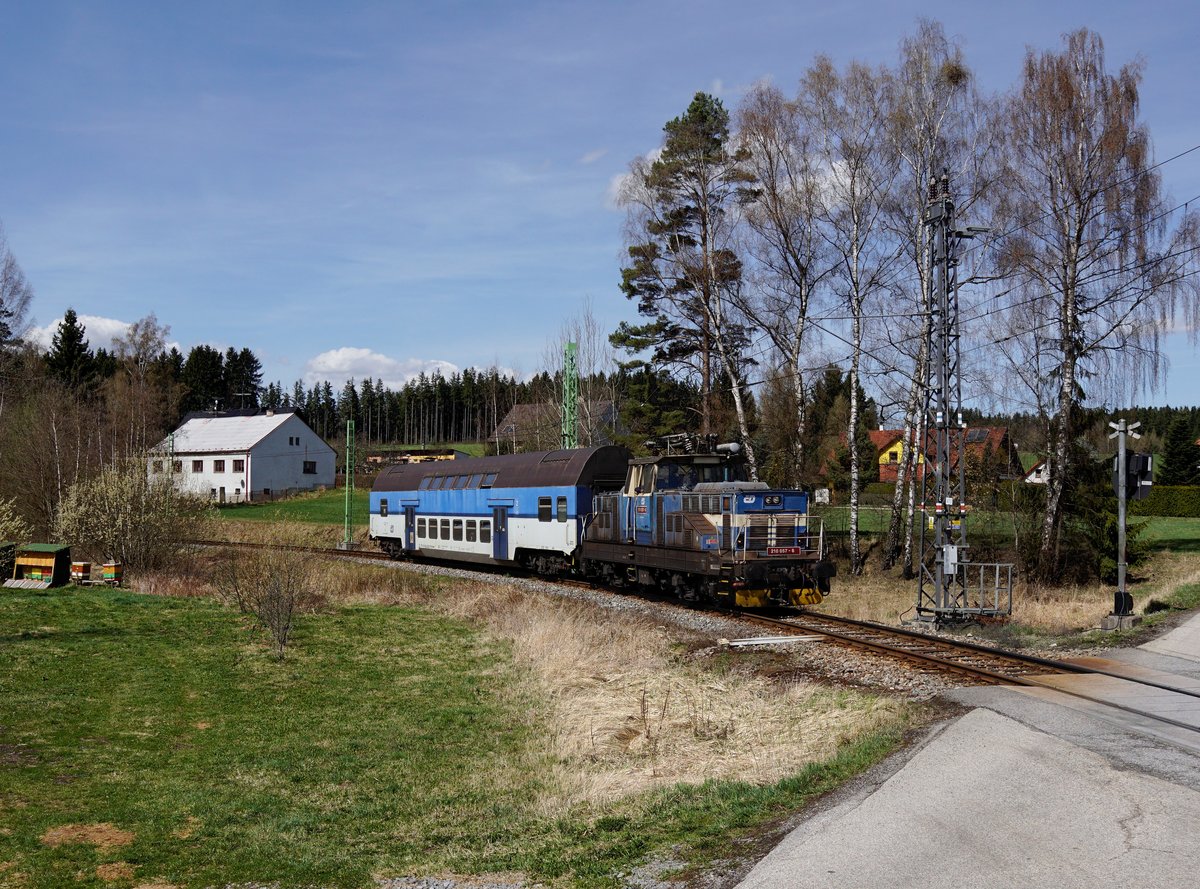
(878, 494)
(274, 585)
(1169, 500)
(121, 514)
(13, 527)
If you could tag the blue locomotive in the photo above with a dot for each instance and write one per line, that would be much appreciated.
(685, 521)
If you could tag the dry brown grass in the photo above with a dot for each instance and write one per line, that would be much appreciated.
(886, 597)
(624, 713)
(103, 836)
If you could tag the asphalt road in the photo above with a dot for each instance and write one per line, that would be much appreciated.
(1028, 789)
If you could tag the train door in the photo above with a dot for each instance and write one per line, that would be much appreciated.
(410, 528)
(500, 532)
(642, 519)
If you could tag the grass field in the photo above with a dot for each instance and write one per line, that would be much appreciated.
(1165, 532)
(152, 739)
(325, 507)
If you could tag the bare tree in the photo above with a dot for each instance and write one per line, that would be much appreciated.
(791, 258)
(936, 121)
(1101, 263)
(846, 112)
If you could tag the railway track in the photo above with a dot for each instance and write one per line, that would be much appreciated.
(978, 662)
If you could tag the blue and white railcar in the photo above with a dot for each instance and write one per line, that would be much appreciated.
(527, 509)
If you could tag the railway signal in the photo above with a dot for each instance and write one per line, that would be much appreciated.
(1132, 477)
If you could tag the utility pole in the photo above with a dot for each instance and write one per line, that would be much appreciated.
(347, 542)
(570, 400)
(944, 591)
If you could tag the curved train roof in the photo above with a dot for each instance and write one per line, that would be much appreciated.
(581, 466)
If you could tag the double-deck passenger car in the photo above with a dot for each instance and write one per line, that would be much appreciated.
(527, 509)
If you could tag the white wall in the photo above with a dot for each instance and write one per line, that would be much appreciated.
(205, 482)
(279, 466)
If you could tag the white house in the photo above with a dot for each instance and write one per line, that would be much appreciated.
(1038, 474)
(234, 458)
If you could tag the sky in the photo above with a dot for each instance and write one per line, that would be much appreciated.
(383, 188)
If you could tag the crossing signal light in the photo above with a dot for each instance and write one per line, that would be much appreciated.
(1139, 471)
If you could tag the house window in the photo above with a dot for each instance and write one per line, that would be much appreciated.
(197, 466)
(544, 508)
(310, 467)
(485, 531)
(893, 457)
(562, 509)
(177, 466)
(218, 465)
(458, 523)
(471, 527)
(239, 465)
(156, 466)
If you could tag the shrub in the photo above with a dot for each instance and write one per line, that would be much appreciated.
(121, 514)
(13, 526)
(273, 584)
(1169, 500)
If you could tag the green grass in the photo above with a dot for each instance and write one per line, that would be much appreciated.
(390, 741)
(1166, 532)
(325, 507)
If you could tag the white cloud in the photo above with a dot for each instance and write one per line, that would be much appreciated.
(339, 365)
(592, 156)
(99, 331)
(620, 186)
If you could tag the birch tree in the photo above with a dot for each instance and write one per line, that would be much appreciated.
(935, 121)
(846, 112)
(791, 257)
(1101, 262)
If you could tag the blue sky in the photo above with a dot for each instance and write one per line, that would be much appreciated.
(378, 187)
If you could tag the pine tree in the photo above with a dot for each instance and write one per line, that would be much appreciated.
(69, 359)
(1180, 461)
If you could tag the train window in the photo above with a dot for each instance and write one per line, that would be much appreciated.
(458, 529)
(544, 509)
(562, 509)
(475, 480)
(421, 527)
(424, 486)
(383, 508)
(488, 480)
(485, 531)
(461, 481)
(435, 483)
(470, 530)
(445, 529)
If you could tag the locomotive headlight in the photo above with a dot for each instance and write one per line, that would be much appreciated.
(773, 500)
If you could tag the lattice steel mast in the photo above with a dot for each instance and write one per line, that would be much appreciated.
(945, 590)
(570, 401)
